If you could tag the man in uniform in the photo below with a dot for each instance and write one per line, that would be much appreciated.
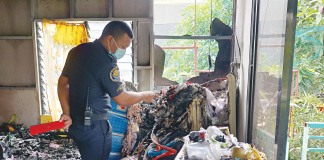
(90, 78)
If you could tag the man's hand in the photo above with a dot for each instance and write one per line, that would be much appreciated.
(67, 119)
(127, 98)
(149, 95)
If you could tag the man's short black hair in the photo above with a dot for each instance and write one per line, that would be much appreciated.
(117, 29)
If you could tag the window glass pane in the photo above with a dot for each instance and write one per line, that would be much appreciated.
(179, 58)
(177, 17)
(267, 91)
(221, 9)
(206, 47)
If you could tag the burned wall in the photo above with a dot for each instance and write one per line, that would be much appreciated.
(23, 103)
(17, 66)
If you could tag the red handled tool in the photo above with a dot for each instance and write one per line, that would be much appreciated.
(37, 129)
(159, 147)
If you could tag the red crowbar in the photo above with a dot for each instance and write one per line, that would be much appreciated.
(37, 129)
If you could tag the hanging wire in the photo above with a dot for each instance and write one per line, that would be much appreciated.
(211, 21)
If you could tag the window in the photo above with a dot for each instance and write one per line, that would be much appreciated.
(185, 38)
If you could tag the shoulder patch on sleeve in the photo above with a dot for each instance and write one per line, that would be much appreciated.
(114, 74)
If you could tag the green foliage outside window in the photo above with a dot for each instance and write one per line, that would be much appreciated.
(179, 62)
(304, 109)
(308, 58)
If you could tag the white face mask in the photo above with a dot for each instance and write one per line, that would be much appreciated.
(120, 53)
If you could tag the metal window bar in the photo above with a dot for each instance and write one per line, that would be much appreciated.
(292, 83)
(291, 131)
(41, 66)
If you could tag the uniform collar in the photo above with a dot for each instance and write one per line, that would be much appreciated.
(99, 44)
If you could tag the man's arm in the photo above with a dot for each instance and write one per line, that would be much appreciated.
(63, 94)
(129, 98)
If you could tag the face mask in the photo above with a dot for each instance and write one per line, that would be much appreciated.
(119, 52)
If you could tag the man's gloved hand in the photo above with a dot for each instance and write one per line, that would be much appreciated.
(149, 95)
(67, 119)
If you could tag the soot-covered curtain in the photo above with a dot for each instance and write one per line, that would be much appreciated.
(59, 39)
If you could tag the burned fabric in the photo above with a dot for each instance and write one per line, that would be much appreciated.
(175, 113)
(133, 116)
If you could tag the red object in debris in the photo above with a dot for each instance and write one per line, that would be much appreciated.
(320, 108)
(172, 96)
(202, 135)
(37, 129)
(159, 147)
(221, 80)
(169, 152)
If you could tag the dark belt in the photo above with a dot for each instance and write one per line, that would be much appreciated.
(94, 117)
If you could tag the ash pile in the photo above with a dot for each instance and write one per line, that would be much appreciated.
(178, 111)
(16, 143)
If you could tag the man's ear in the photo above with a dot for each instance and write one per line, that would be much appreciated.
(109, 38)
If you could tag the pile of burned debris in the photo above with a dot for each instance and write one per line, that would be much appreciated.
(178, 111)
(153, 128)
(172, 127)
(16, 143)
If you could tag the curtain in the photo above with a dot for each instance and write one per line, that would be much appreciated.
(59, 39)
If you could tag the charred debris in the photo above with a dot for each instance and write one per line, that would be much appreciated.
(174, 114)
(16, 143)
(178, 111)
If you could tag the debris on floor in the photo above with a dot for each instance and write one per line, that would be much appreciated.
(16, 143)
(170, 127)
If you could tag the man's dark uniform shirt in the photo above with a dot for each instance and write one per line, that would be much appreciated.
(90, 65)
